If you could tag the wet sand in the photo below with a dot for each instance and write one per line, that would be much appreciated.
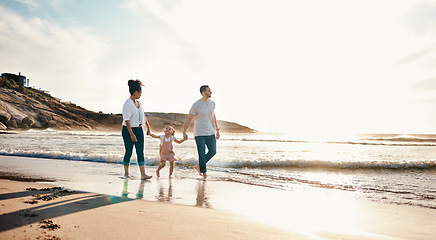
(81, 215)
(93, 206)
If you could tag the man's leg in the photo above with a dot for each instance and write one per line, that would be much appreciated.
(201, 148)
(211, 147)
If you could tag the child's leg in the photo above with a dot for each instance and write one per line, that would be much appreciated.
(162, 165)
(171, 168)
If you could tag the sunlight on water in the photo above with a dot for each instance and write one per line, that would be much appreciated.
(382, 167)
(300, 210)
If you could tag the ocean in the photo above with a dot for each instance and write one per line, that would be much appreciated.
(391, 168)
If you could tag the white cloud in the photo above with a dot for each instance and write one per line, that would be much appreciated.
(318, 64)
(311, 64)
(54, 58)
(29, 3)
(421, 18)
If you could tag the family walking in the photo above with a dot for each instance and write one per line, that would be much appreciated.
(206, 132)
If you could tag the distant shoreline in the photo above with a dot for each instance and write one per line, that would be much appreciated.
(24, 108)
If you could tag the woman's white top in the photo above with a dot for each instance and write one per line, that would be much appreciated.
(132, 113)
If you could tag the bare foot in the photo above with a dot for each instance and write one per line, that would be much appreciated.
(197, 167)
(127, 177)
(157, 173)
(146, 177)
(204, 176)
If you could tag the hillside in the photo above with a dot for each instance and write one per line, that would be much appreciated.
(24, 108)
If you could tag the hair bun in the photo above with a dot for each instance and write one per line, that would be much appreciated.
(131, 82)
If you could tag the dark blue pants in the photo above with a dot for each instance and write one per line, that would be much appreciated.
(203, 157)
(128, 145)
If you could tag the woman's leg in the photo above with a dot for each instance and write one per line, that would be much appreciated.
(126, 171)
(139, 146)
(128, 145)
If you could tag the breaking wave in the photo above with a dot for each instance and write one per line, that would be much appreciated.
(250, 164)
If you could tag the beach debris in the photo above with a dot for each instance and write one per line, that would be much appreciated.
(54, 192)
(31, 202)
(49, 237)
(50, 189)
(45, 197)
(49, 225)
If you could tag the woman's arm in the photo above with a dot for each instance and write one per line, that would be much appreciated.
(129, 128)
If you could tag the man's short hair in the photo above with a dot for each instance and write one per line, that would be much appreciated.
(203, 88)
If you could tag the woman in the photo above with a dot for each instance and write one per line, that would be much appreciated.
(133, 134)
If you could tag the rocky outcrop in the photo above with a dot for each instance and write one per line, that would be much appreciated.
(159, 121)
(2, 126)
(24, 108)
(37, 109)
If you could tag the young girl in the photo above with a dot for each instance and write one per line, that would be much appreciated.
(166, 148)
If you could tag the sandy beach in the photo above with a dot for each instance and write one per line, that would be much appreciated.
(189, 209)
(80, 215)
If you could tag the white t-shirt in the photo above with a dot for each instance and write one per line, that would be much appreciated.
(204, 115)
(163, 138)
(132, 113)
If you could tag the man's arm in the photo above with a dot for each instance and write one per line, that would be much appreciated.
(216, 127)
(187, 124)
(147, 124)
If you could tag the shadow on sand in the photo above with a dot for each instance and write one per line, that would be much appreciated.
(57, 208)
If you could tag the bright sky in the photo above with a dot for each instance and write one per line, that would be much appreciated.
(312, 66)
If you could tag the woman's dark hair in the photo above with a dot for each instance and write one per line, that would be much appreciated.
(135, 86)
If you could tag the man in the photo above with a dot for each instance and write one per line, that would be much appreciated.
(206, 130)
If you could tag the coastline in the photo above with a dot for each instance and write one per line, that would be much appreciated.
(174, 209)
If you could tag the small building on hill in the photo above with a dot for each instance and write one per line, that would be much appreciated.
(22, 81)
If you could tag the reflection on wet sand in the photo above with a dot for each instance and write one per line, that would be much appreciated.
(165, 197)
(202, 199)
(139, 194)
(125, 188)
(163, 191)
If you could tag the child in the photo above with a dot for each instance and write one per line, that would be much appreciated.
(166, 148)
